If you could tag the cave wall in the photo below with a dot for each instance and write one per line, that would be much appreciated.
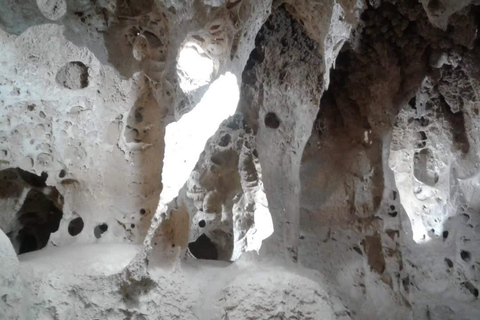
(342, 186)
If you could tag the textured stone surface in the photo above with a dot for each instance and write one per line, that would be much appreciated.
(325, 151)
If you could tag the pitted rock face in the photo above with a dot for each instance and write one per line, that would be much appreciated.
(214, 159)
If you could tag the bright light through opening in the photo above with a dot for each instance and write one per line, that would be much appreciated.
(185, 139)
(194, 67)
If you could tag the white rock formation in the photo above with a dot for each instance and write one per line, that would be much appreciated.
(324, 153)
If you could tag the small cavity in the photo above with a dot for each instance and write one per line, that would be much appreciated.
(62, 173)
(412, 103)
(470, 287)
(194, 67)
(139, 115)
(445, 234)
(75, 226)
(198, 38)
(465, 255)
(99, 230)
(202, 223)
(271, 120)
(393, 214)
(153, 40)
(73, 75)
(424, 167)
(423, 121)
(357, 250)
(449, 263)
(142, 211)
(421, 135)
(203, 248)
(225, 140)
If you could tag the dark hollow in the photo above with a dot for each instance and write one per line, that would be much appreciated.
(203, 248)
(75, 226)
(99, 230)
(272, 121)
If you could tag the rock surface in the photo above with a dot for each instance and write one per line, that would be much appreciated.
(325, 155)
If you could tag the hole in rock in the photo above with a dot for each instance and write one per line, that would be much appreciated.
(73, 75)
(142, 211)
(421, 135)
(425, 168)
(412, 102)
(214, 28)
(470, 287)
(445, 234)
(39, 212)
(423, 121)
(465, 255)
(62, 174)
(198, 38)
(202, 224)
(99, 230)
(393, 214)
(131, 134)
(449, 263)
(139, 115)
(272, 121)
(225, 140)
(194, 67)
(357, 250)
(421, 144)
(153, 40)
(75, 226)
(203, 248)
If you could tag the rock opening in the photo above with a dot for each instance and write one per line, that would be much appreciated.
(99, 230)
(203, 248)
(272, 121)
(73, 75)
(75, 226)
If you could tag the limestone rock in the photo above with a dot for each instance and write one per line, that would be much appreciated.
(231, 159)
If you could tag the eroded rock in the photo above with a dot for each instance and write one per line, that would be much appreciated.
(336, 135)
